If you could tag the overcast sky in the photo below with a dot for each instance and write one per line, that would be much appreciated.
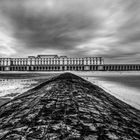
(76, 28)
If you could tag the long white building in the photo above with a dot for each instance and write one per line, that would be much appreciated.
(62, 63)
(49, 63)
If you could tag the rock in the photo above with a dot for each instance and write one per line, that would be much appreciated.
(68, 107)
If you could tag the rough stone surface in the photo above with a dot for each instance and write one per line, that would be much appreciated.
(67, 108)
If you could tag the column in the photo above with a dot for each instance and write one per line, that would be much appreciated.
(88, 61)
(61, 61)
(9, 62)
(33, 61)
(84, 61)
(28, 62)
(96, 61)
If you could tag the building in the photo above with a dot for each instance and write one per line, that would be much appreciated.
(51, 63)
(62, 63)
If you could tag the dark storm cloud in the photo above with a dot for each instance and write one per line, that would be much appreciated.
(63, 29)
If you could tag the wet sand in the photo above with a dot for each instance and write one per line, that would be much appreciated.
(123, 85)
(14, 84)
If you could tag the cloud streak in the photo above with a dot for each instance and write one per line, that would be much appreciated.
(110, 28)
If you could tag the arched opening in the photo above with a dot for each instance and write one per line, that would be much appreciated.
(63, 68)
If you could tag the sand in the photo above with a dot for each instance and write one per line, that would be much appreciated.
(125, 90)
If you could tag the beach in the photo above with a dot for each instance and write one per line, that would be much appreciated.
(67, 107)
(123, 85)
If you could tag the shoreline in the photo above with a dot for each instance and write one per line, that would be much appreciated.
(125, 93)
(121, 92)
(89, 72)
(128, 101)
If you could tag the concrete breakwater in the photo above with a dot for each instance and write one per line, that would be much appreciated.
(68, 107)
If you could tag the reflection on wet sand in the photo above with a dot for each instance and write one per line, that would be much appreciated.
(10, 87)
(13, 84)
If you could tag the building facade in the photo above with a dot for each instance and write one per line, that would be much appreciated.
(51, 63)
(62, 63)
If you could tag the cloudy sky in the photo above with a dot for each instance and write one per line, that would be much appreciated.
(76, 28)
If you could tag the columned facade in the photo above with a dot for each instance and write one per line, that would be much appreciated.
(51, 63)
(121, 67)
(62, 63)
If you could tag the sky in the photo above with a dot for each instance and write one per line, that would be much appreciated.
(76, 28)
